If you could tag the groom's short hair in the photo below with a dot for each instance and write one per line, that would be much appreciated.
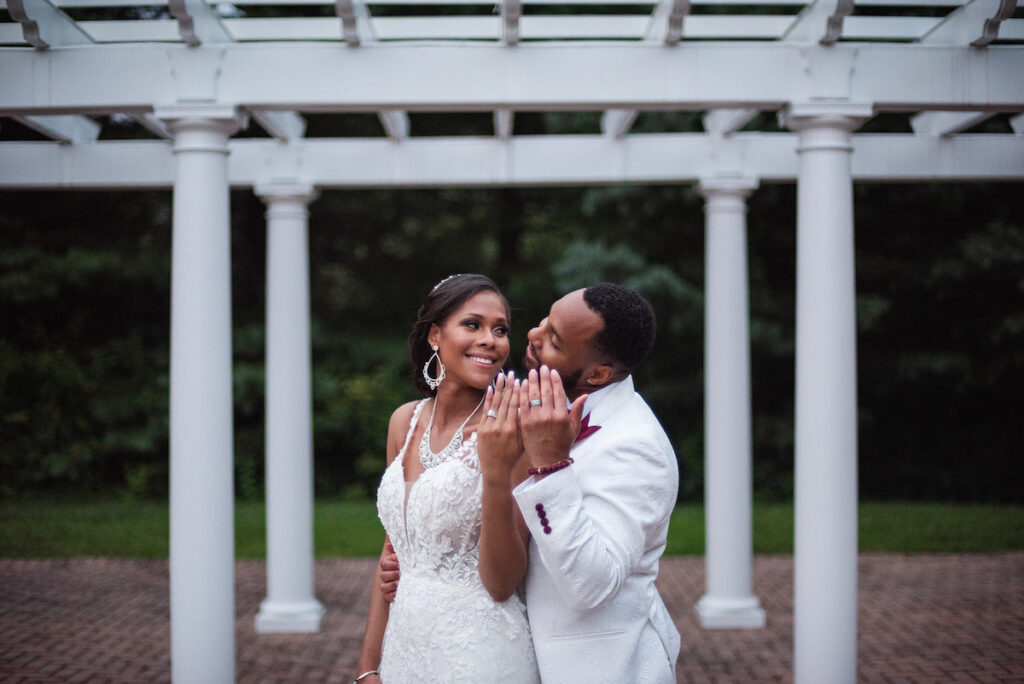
(628, 332)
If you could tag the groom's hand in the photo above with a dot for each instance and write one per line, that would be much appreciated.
(389, 573)
(547, 428)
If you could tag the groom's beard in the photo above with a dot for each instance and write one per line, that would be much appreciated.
(569, 382)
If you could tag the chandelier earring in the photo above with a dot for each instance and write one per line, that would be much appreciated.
(432, 383)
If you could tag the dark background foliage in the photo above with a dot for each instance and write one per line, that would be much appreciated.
(84, 315)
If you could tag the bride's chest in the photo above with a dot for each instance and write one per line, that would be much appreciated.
(443, 501)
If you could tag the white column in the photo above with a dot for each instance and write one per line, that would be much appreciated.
(201, 435)
(825, 551)
(728, 601)
(290, 605)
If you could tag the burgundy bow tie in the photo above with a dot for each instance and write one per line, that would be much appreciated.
(586, 429)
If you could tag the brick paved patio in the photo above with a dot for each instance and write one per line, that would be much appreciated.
(922, 619)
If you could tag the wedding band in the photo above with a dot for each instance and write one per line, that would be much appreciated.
(535, 402)
(491, 413)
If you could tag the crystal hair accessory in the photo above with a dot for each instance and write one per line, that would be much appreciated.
(445, 280)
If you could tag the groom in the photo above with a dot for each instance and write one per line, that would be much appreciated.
(597, 526)
(599, 501)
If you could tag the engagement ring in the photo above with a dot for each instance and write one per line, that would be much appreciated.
(491, 413)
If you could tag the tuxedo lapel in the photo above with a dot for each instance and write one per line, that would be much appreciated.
(605, 405)
(600, 409)
(586, 429)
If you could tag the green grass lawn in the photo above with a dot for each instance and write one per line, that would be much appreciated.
(127, 529)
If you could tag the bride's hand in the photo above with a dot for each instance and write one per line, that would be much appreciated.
(498, 432)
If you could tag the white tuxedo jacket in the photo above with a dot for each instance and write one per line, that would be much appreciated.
(597, 532)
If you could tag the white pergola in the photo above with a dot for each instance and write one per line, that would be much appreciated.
(192, 74)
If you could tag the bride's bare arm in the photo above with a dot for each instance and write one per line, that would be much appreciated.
(376, 623)
(503, 533)
(377, 617)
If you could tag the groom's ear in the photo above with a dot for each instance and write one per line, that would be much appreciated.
(599, 374)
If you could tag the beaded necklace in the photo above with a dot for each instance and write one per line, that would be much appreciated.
(427, 457)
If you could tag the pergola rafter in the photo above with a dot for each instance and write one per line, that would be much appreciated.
(62, 128)
(44, 25)
(192, 73)
(975, 23)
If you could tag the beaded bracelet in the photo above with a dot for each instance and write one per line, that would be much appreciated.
(544, 470)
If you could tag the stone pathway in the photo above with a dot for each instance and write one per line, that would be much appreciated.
(933, 618)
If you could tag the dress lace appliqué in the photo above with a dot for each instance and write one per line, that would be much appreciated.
(443, 625)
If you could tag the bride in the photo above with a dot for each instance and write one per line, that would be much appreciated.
(460, 540)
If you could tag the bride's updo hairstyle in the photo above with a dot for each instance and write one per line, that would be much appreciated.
(444, 300)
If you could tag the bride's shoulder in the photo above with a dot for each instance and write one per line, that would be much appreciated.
(402, 415)
(399, 425)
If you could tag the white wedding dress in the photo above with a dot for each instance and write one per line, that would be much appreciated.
(443, 626)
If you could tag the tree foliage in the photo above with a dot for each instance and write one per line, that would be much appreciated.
(84, 305)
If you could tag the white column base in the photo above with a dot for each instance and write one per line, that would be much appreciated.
(730, 613)
(288, 618)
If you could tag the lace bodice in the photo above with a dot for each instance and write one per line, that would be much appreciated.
(443, 625)
(436, 528)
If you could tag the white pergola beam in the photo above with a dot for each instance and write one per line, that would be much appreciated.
(947, 123)
(727, 121)
(615, 123)
(63, 128)
(395, 123)
(990, 29)
(511, 11)
(525, 161)
(667, 21)
(126, 78)
(1017, 124)
(355, 22)
(976, 23)
(664, 27)
(197, 22)
(153, 125)
(503, 123)
(487, 30)
(495, 28)
(281, 125)
(834, 23)
(349, 31)
(44, 25)
(820, 21)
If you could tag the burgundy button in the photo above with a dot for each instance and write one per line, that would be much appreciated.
(547, 530)
(544, 522)
(539, 507)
